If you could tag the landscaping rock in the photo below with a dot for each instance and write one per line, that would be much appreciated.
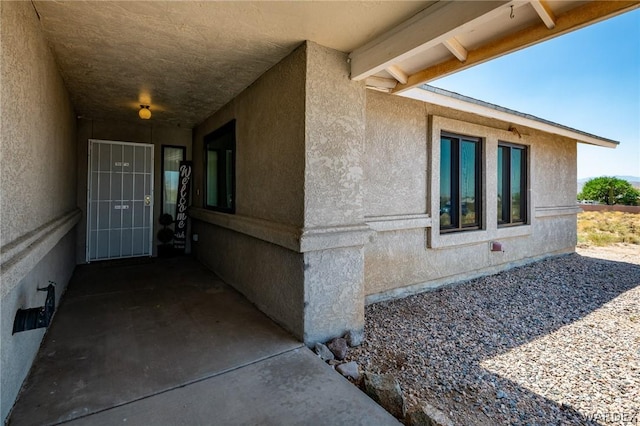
(549, 343)
(323, 352)
(354, 338)
(427, 415)
(339, 347)
(385, 390)
(349, 370)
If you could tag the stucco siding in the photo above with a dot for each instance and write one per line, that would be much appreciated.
(407, 256)
(334, 201)
(267, 274)
(299, 199)
(18, 351)
(270, 146)
(269, 118)
(37, 186)
(38, 127)
(334, 124)
(395, 161)
(556, 170)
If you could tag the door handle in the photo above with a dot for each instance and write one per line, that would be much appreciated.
(147, 200)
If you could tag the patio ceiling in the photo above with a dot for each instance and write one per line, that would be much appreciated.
(449, 36)
(188, 59)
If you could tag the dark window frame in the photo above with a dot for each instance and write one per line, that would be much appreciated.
(505, 212)
(162, 183)
(218, 141)
(456, 214)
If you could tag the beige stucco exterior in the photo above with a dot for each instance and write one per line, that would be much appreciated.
(346, 203)
(269, 201)
(38, 187)
(408, 254)
(337, 191)
(300, 138)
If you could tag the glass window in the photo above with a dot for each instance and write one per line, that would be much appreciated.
(460, 185)
(445, 183)
(171, 158)
(512, 184)
(220, 154)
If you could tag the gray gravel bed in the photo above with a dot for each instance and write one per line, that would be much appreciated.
(553, 342)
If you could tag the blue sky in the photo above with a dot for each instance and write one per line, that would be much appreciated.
(588, 79)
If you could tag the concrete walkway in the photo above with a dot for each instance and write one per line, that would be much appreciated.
(165, 342)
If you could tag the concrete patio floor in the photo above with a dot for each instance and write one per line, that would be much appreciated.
(167, 342)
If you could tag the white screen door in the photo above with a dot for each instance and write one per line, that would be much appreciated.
(120, 200)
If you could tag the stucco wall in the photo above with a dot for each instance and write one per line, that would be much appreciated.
(295, 244)
(395, 156)
(267, 274)
(19, 350)
(142, 132)
(270, 146)
(37, 185)
(37, 124)
(408, 254)
(333, 206)
(334, 125)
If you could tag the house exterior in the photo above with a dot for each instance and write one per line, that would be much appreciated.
(311, 193)
(358, 210)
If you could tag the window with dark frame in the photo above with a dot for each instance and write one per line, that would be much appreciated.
(171, 158)
(512, 184)
(460, 182)
(220, 173)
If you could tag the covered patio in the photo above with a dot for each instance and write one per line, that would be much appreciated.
(164, 341)
(151, 340)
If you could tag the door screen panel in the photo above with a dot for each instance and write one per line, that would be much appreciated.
(120, 200)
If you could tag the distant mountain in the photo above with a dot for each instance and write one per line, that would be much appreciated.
(633, 180)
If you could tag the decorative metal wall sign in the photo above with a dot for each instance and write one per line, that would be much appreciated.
(184, 185)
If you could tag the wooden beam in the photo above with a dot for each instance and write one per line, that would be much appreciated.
(398, 73)
(581, 16)
(456, 48)
(435, 24)
(381, 82)
(544, 12)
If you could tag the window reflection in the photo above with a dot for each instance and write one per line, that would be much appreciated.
(516, 187)
(219, 179)
(468, 184)
(445, 182)
(460, 201)
(512, 184)
(171, 158)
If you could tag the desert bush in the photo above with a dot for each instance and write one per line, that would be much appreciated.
(605, 228)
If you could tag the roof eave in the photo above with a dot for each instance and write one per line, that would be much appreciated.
(452, 100)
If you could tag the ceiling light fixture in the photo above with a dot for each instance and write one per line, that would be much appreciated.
(145, 112)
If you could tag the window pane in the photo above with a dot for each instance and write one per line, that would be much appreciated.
(516, 185)
(220, 170)
(172, 157)
(212, 178)
(500, 185)
(445, 183)
(229, 178)
(469, 208)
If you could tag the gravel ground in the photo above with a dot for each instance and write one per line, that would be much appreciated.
(554, 342)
